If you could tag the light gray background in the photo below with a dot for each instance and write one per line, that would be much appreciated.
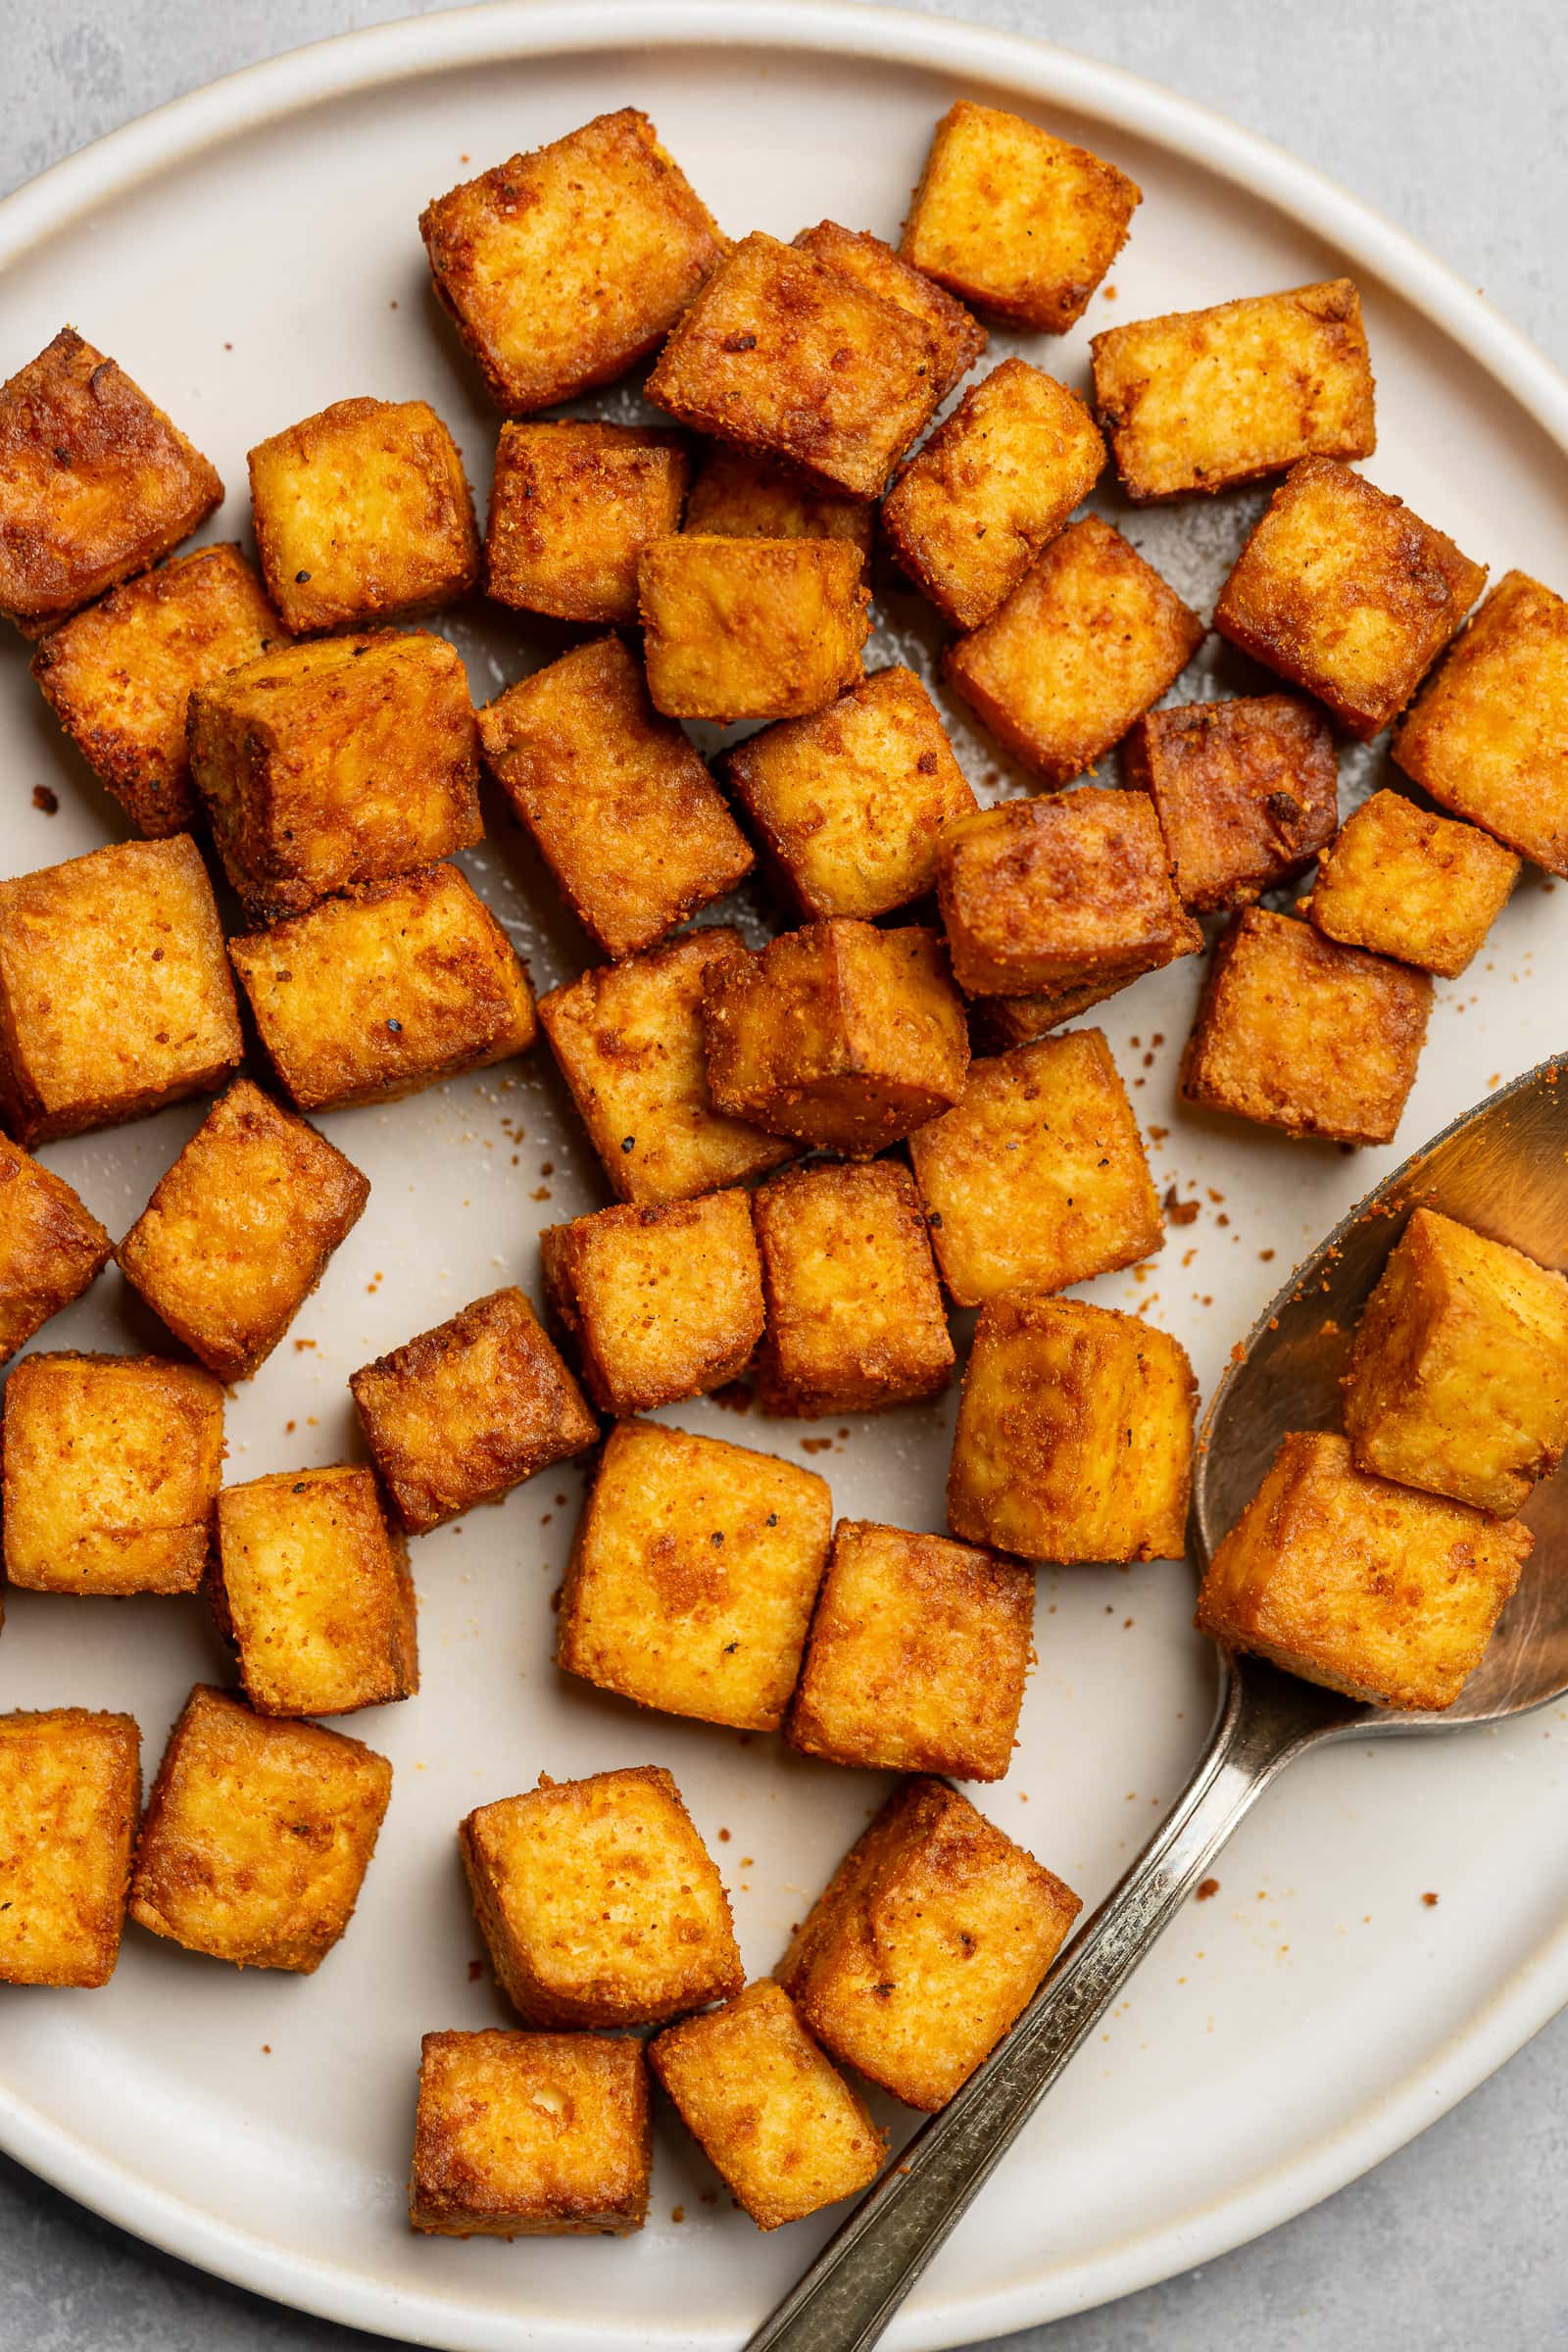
(1451, 118)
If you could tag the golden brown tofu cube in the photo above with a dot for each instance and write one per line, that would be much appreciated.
(258, 1835)
(929, 1940)
(615, 798)
(1017, 222)
(692, 1576)
(1407, 884)
(629, 1040)
(1090, 637)
(739, 496)
(772, 2115)
(334, 762)
(119, 677)
(917, 1657)
(311, 1586)
(854, 1314)
(239, 1231)
(1075, 1438)
(598, 1901)
(52, 1247)
(571, 507)
(1342, 590)
(461, 1414)
(1204, 400)
(656, 1303)
(393, 986)
(1366, 1587)
(999, 1023)
(115, 994)
(69, 1795)
(961, 338)
(1296, 1032)
(996, 481)
(750, 628)
(1246, 792)
(1459, 1379)
(1488, 734)
(95, 483)
(1037, 1177)
(530, 2135)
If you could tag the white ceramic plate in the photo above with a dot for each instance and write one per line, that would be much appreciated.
(250, 254)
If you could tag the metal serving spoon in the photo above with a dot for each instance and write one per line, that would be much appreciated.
(1503, 1168)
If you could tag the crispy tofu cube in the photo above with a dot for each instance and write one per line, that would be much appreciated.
(629, 1038)
(854, 1314)
(656, 1303)
(571, 507)
(119, 675)
(598, 1901)
(1366, 1587)
(115, 994)
(258, 1835)
(928, 1942)
(530, 2135)
(239, 1231)
(999, 1023)
(1075, 1438)
(996, 481)
(1296, 1032)
(750, 628)
(739, 496)
(363, 514)
(1020, 224)
(461, 1414)
(69, 1795)
(1459, 1379)
(1205, 400)
(52, 1247)
(393, 986)
(1087, 640)
(339, 762)
(95, 483)
(1488, 734)
(961, 338)
(1037, 1177)
(615, 797)
(841, 1034)
(1246, 792)
(917, 1657)
(311, 1586)
(1342, 590)
(772, 2115)
(1407, 884)
(692, 1576)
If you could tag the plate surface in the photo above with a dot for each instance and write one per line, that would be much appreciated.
(250, 254)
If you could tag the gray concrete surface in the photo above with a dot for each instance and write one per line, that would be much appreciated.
(1451, 118)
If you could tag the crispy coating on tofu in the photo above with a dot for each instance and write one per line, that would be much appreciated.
(393, 986)
(530, 2135)
(52, 1247)
(1246, 792)
(615, 797)
(1488, 736)
(1204, 400)
(339, 762)
(1297, 1032)
(1020, 224)
(69, 1795)
(993, 484)
(692, 1573)
(95, 483)
(598, 1901)
(1459, 1379)
(311, 1586)
(1342, 590)
(1075, 1438)
(1037, 1177)
(772, 2115)
(961, 338)
(115, 994)
(750, 628)
(629, 1038)
(461, 1414)
(999, 1023)
(239, 1231)
(854, 1315)
(571, 507)
(1087, 640)
(929, 1940)
(656, 1303)
(1407, 884)
(258, 1835)
(917, 1657)
(1352, 1581)
(564, 267)
(739, 496)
